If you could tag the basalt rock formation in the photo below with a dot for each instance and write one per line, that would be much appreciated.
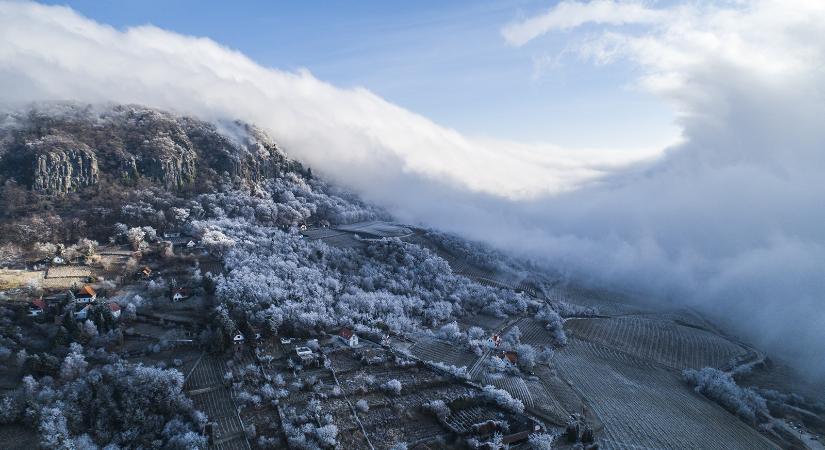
(57, 149)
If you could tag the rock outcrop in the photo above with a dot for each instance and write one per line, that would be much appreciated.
(62, 165)
(70, 147)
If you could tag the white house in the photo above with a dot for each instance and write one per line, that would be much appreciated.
(349, 337)
(180, 294)
(85, 295)
(83, 313)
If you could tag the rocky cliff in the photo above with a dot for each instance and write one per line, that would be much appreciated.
(57, 149)
(61, 165)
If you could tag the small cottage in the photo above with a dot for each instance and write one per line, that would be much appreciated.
(349, 337)
(179, 294)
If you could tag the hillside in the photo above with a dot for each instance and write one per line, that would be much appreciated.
(173, 283)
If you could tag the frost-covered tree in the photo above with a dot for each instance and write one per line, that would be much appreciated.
(721, 387)
(502, 398)
(541, 441)
(135, 237)
(74, 365)
(392, 386)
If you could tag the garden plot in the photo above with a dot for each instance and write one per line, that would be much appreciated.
(645, 406)
(377, 229)
(68, 272)
(662, 341)
(14, 279)
(434, 350)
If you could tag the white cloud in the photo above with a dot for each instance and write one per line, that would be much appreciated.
(730, 220)
(52, 52)
(571, 14)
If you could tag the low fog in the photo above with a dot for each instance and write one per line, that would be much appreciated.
(729, 221)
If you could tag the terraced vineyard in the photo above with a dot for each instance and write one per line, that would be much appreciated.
(534, 333)
(516, 386)
(462, 420)
(642, 405)
(336, 238)
(439, 351)
(545, 404)
(377, 229)
(204, 385)
(663, 341)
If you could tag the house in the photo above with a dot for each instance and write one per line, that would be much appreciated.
(115, 309)
(510, 357)
(305, 356)
(146, 271)
(237, 337)
(179, 294)
(286, 340)
(58, 260)
(494, 340)
(349, 337)
(172, 234)
(37, 307)
(302, 226)
(83, 312)
(85, 295)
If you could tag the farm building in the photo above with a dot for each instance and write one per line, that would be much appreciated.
(510, 357)
(349, 337)
(37, 307)
(494, 340)
(179, 294)
(85, 294)
(306, 357)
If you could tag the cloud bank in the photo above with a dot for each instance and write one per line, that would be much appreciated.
(729, 221)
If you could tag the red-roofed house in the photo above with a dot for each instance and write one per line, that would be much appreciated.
(349, 337)
(511, 357)
(37, 307)
(85, 294)
(115, 309)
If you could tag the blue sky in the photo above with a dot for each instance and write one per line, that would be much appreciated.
(444, 60)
